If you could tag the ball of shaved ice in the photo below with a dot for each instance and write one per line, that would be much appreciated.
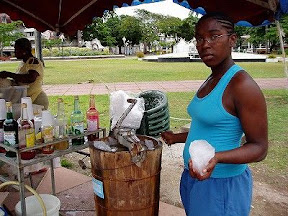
(201, 153)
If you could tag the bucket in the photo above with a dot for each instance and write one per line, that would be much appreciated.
(33, 207)
(123, 189)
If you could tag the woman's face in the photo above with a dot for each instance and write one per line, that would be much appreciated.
(214, 42)
(19, 52)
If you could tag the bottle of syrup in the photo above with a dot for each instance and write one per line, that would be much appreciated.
(10, 128)
(47, 128)
(60, 131)
(77, 122)
(92, 117)
(26, 134)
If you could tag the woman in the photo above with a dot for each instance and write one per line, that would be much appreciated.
(228, 104)
(30, 72)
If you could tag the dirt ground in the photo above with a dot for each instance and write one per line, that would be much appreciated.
(270, 191)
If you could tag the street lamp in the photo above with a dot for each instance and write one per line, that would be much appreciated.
(124, 42)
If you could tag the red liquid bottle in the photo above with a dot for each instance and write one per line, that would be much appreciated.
(26, 134)
(92, 117)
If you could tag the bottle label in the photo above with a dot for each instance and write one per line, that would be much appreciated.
(1, 135)
(47, 134)
(60, 131)
(78, 128)
(30, 139)
(10, 138)
(92, 125)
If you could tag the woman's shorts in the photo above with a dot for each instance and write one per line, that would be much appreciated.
(217, 196)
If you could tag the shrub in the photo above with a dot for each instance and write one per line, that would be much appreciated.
(72, 51)
(65, 163)
(271, 56)
(140, 54)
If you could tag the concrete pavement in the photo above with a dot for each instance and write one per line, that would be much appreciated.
(136, 87)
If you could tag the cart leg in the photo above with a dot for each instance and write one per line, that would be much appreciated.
(22, 190)
(52, 177)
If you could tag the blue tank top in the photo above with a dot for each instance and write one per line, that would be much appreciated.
(211, 122)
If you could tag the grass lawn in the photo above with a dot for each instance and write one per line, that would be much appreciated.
(277, 102)
(128, 70)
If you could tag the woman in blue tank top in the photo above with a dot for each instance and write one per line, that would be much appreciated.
(227, 105)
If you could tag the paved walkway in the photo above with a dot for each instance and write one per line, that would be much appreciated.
(136, 87)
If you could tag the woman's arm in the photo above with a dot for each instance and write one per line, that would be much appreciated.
(251, 109)
(21, 78)
(171, 138)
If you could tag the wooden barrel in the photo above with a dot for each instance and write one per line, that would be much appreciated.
(123, 189)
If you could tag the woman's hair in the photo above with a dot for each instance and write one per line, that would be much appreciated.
(223, 19)
(24, 43)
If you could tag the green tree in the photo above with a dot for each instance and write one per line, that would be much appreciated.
(106, 29)
(150, 31)
(187, 29)
(130, 28)
(9, 33)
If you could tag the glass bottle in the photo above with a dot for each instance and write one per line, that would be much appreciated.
(26, 134)
(47, 131)
(2, 119)
(10, 127)
(92, 117)
(60, 131)
(77, 123)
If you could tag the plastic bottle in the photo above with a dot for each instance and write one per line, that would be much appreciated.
(92, 117)
(47, 131)
(60, 126)
(26, 134)
(10, 127)
(30, 112)
(77, 123)
(2, 119)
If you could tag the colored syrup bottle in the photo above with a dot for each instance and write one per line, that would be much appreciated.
(77, 123)
(60, 131)
(10, 128)
(92, 117)
(2, 119)
(47, 128)
(26, 134)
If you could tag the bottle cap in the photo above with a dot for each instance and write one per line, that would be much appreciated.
(2, 109)
(47, 118)
(28, 101)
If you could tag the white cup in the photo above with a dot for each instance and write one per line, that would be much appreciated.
(47, 118)
(28, 101)
(2, 109)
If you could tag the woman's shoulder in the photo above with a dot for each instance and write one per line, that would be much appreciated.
(243, 84)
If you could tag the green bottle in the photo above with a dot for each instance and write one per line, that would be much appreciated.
(77, 123)
(10, 127)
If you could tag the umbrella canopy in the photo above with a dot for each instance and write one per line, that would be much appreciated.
(66, 16)
(242, 12)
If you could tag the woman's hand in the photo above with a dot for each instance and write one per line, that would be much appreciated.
(206, 172)
(168, 137)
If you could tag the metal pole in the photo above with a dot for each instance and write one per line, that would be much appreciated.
(38, 46)
(282, 47)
